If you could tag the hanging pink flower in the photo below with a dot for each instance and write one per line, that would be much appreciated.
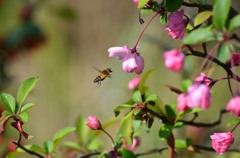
(93, 123)
(174, 60)
(199, 95)
(182, 102)
(222, 141)
(134, 83)
(176, 25)
(203, 78)
(234, 105)
(132, 60)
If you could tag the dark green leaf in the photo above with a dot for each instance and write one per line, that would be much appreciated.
(48, 146)
(224, 52)
(202, 17)
(127, 153)
(25, 88)
(24, 117)
(233, 121)
(27, 106)
(198, 36)
(220, 13)
(234, 23)
(202, 2)
(170, 113)
(119, 108)
(143, 80)
(126, 128)
(9, 101)
(172, 6)
(62, 134)
(163, 18)
(142, 3)
(165, 131)
(137, 98)
(185, 84)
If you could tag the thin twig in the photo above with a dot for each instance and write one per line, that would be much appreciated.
(151, 152)
(28, 151)
(89, 154)
(211, 149)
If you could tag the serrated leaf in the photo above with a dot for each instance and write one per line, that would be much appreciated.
(126, 127)
(234, 23)
(62, 134)
(199, 36)
(165, 131)
(233, 122)
(142, 3)
(202, 17)
(48, 146)
(224, 52)
(9, 101)
(172, 6)
(127, 154)
(27, 106)
(24, 117)
(220, 13)
(137, 98)
(120, 107)
(143, 80)
(25, 89)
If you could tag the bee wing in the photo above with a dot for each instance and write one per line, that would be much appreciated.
(96, 69)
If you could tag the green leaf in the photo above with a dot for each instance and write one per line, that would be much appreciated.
(182, 143)
(220, 13)
(202, 2)
(127, 154)
(120, 107)
(9, 101)
(165, 131)
(62, 134)
(224, 52)
(25, 88)
(24, 117)
(154, 5)
(126, 128)
(14, 154)
(142, 3)
(170, 113)
(233, 122)
(234, 23)
(202, 17)
(199, 36)
(185, 84)
(178, 124)
(172, 6)
(163, 18)
(48, 146)
(94, 144)
(137, 98)
(37, 148)
(151, 97)
(72, 145)
(143, 80)
(27, 106)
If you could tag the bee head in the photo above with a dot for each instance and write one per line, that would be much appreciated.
(109, 69)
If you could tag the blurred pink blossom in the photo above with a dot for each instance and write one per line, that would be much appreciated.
(176, 25)
(199, 95)
(234, 59)
(136, 142)
(132, 60)
(174, 60)
(222, 141)
(182, 102)
(203, 78)
(234, 105)
(93, 123)
(134, 83)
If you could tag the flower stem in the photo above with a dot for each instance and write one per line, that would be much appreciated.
(235, 127)
(108, 136)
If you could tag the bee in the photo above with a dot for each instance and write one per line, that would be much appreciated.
(103, 74)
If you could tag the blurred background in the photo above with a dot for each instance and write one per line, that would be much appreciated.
(62, 40)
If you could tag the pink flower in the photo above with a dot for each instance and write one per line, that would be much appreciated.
(134, 83)
(203, 78)
(182, 102)
(174, 60)
(221, 142)
(132, 60)
(234, 59)
(234, 105)
(136, 142)
(199, 95)
(176, 25)
(93, 123)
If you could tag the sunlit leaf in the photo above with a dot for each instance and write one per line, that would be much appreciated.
(220, 12)
(27, 106)
(234, 23)
(224, 52)
(151, 97)
(48, 146)
(142, 3)
(233, 121)
(202, 17)
(24, 117)
(62, 134)
(9, 101)
(137, 97)
(165, 131)
(126, 127)
(163, 18)
(182, 143)
(37, 148)
(25, 89)
(120, 107)
(143, 80)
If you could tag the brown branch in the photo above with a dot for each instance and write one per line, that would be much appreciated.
(212, 150)
(151, 152)
(26, 150)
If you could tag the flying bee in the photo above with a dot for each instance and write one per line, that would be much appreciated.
(103, 74)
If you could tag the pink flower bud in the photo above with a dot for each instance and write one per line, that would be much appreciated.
(176, 25)
(182, 102)
(134, 83)
(174, 60)
(93, 123)
(221, 142)
(203, 78)
(234, 59)
(234, 105)
(199, 95)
